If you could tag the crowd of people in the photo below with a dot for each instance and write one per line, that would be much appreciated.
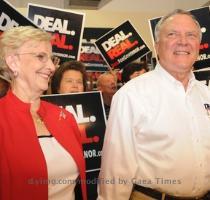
(157, 141)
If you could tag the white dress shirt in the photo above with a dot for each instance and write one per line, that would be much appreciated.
(157, 136)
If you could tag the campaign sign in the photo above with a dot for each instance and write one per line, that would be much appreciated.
(10, 17)
(203, 75)
(122, 45)
(89, 53)
(203, 17)
(89, 113)
(67, 28)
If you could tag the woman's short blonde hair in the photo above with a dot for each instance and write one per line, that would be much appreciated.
(14, 38)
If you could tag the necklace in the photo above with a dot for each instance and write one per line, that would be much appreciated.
(37, 119)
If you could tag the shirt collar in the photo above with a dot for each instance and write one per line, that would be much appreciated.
(170, 79)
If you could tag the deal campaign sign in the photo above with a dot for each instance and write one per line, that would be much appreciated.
(67, 28)
(122, 45)
(88, 111)
(89, 54)
(10, 17)
(203, 17)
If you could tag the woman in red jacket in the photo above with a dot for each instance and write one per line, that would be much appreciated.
(41, 155)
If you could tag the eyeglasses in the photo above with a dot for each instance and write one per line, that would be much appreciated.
(74, 81)
(42, 56)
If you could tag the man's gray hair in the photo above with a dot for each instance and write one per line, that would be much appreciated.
(175, 12)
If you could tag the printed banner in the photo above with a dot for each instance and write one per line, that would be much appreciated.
(89, 54)
(203, 75)
(10, 17)
(88, 111)
(67, 28)
(121, 46)
(203, 17)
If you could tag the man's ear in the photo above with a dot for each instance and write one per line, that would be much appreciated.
(11, 61)
(156, 47)
(157, 50)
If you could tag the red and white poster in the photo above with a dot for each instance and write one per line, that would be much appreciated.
(89, 53)
(121, 46)
(10, 17)
(66, 27)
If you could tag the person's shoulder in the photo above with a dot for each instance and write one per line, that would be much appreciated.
(50, 106)
(53, 109)
(140, 83)
(2, 106)
(3, 101)
(137, 88)
(202, 86)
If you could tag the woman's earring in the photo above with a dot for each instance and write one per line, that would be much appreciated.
(15, 74)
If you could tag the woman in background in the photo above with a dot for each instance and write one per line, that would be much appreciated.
(70, 77)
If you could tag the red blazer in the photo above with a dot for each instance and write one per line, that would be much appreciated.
(22, 164)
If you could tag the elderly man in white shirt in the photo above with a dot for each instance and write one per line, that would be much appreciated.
(157, 142)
